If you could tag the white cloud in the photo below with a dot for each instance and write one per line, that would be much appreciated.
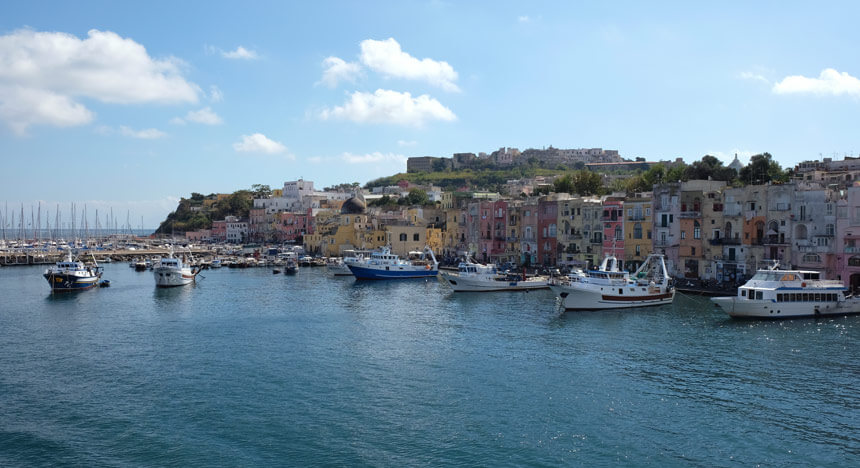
(315, 159)
(337, 70)
(829, 82)
(406, 142)
(387, 58)
(258, 143)
(752, 76)
(146, 134)
(373, 158)
(524, 19)
(215, 94)
(204, 116)
(240, 53)
(42, 74)
(177, 121)
(389, 107)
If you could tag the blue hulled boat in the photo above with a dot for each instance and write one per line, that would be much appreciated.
(72, 275)
(383, 264)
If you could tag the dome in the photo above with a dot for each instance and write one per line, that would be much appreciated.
(354, 205)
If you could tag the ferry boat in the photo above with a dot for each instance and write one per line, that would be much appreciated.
(610, 288)
(72, 275)
(382, 264)
(774, 293)
(472, 276)
(172, 271)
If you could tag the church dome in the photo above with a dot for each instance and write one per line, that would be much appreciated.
(354, 205)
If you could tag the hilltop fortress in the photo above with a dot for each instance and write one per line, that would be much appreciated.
(505, 157)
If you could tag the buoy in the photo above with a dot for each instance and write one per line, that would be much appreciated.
(802, 285)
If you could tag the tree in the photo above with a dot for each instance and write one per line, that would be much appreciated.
(587, 183)
(761, 170)
(709, 167)
(417, 197)
(261, 191)
(198, 197)
(564, 184)
(676, 173)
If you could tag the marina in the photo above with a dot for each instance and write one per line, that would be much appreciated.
(257, 369)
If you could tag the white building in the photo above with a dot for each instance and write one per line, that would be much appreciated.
(237, 229)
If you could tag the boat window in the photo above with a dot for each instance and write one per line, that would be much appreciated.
(758, 295)
(805, 297)
(779, 298)
(788, 277)
(743, 292)
(620, 291)
(817, 297)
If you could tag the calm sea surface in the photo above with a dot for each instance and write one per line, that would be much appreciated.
(248, 368)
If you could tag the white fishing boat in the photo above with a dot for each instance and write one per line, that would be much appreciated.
(72, 275)
(172, 271)
(340, 266)
(610, 288)
(774, 293)
(383, 264)
(472, 276)
(216, 263)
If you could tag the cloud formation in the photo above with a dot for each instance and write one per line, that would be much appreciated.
(829, 82)
(42, 74)
(387, 58)
(258, 143)
(240, 53)
(752, 76)
(337, 70)
(389, 107)
(146, 134)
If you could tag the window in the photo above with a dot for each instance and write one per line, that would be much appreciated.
(692, 251)
(637, 231)
(683, 234)
(403, 237)
(618, 235)
(828, 229)
(416, 237)
(638, 250)
(758, 295)
(697, 230)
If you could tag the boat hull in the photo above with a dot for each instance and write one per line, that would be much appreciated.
(577, 298)
(339, 270)
(465, 284)
(391, 272)
(171, 277)
(761, 309)
(70, 282)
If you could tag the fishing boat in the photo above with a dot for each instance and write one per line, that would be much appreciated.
(340, 266)
(775, 293)
(473, 276)
(72, 275)
(291, 266)
(216, 263)
(172, 271)
(610, 288)
(382, 264)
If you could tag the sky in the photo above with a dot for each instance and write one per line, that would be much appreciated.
(132, 105)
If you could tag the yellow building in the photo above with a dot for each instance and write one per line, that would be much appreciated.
(638, 216)
(409, 238)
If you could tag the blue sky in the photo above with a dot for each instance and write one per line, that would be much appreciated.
(132, 105)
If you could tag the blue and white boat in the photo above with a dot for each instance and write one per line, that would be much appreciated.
(383, 264)
(72, 275)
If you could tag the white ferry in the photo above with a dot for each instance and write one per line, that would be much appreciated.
(774, 293)
(610, 288)
(472, 276)
(383, 264)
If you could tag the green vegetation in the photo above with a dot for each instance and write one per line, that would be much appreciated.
(195, 213)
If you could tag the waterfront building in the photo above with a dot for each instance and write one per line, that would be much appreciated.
(547, 241)
(219, 230)
(777, 237)
(814, 219)
(592, 232)
(713, 222)
(638, 225)
(848, 238)
(613, 227)
(290, 227)
(570, 239)
(667, 231)
(237, 229)
(694, 195)
(492, 230)
(528, 232)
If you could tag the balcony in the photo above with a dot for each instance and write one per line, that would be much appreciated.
(597, 241)
(512, 239)
(851, 250)
(774, 240)
(690, 214)
(636, 218)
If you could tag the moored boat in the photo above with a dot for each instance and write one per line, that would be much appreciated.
(774, 293)
(472, 276)
(610, 288)
(72, 275)
(172, 271)
(382, 264)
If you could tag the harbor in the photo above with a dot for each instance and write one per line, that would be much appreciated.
(260, 369)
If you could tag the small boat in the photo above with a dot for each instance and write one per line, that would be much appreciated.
(107, 260)
(291, 267)
(610, 288)
(473, 276)
(172, 271)
(216, 263)
(104, 284)
(72, 275)
(276, 271)
(306, 261)
(141, 265)
(336, 267)
(774, 293)
(382, 264)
